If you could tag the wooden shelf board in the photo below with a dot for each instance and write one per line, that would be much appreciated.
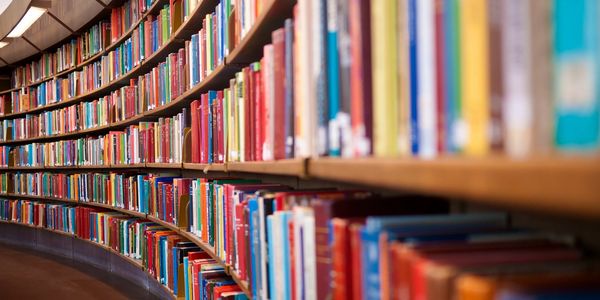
(559, 185)
(289, 167)
(10, 90)
(164, 165)
(205, 167)
(128, 166)
(243, 284)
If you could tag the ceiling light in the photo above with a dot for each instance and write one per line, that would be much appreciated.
(32, 14)
(2, 44)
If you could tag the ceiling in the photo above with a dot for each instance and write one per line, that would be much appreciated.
(47, 31)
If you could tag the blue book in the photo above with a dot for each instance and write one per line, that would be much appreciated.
(271, 257)
(402, 227)
(452, 59)
(414, 76)
(254, 246)
(162, 259)
(576, 74)
(186, 279)
(194, 61)
(333, 68)
(141, 193)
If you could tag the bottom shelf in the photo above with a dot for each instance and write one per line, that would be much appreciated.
(134, 262)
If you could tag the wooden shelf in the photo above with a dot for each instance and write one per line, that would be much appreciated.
(164, 165)
(205, 167)
(289, 167)
(558, 185)
(10, 90)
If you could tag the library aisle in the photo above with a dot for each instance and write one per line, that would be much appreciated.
(301, 149)
(28, 274)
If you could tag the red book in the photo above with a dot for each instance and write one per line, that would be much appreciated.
(440, 64)
(360, 72)
(169, 203)
(217, 291)
(174, 81)
(195, 131)
(213, 128)
(167, 140)
(356, 255)
(204, 127)
(341, 260)
(151, 142)
(278, 110)
(259, 113)
(202, 40)
(181, 80)
(240, 225)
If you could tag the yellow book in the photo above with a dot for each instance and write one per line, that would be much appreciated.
(385, 76)
(475, 80)
(403, 80)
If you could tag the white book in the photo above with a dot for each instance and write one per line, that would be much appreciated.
(310, 260)
(426, 59)
(262, 240)
(194, 204)
(299, 274)
(241, 119)
(302, 81)
(269, 101)
(278, 274)
(517, 109)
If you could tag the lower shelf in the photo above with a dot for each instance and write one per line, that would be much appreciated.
(65, 244)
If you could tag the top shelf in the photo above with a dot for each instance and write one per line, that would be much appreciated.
(157, 5)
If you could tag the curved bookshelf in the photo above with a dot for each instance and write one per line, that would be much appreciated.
(151, 10)
(191, 237)
(134, 262)
(174, 42)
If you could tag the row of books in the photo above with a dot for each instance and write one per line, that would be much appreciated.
(59, 217)
(425, 78)
(173, 261)
(317, 96)
(203, 52)
(79, 49)
(4, 156)
(124, 17)
(326, 243)
(147, 142)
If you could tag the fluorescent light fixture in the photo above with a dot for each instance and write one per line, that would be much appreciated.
(32, 14)
(2, 44)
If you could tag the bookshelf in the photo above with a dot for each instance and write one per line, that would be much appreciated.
(555, 184)
(136, 263)
(560, 185)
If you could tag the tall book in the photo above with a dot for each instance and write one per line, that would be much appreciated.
(385, 78)
(474, 75)
(576, 74)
